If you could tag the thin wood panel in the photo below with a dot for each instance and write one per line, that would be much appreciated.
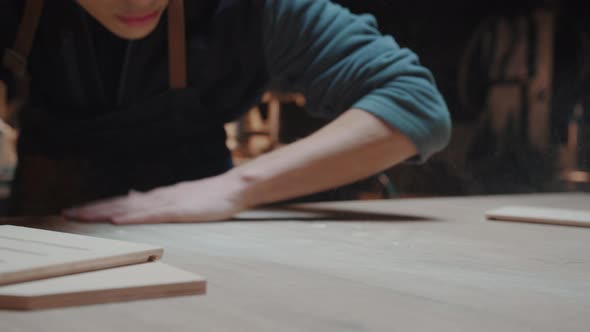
(141, 281)
(541, 215)
(31, 254)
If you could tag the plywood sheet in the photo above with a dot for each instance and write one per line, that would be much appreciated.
(134, 282)
(529, 214)
(30, 254)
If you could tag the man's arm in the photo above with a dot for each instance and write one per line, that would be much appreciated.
(389, 105)
(352, 147)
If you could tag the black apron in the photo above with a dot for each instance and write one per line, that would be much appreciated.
(81, 161)
(169, 137)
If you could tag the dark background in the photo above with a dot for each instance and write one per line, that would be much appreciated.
(476, 162)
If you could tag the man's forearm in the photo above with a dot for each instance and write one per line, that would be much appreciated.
(352, 147)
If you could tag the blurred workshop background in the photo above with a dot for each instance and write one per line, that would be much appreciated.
(516, 77)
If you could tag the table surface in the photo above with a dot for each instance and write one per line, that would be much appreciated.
(400, 265)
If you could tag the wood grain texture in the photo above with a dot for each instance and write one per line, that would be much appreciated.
(30, 254)
(444, 269)
(531, 214)
(135, 282)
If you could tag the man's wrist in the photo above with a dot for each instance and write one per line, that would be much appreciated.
(244, 187)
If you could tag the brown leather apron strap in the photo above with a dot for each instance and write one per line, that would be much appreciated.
(177, 44)
(15, 58)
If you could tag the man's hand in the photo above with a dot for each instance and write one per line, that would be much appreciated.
(213, 199)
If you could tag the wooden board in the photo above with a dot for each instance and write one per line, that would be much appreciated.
(30, 254)
(541, 215)
(450, 271)
(134, 282)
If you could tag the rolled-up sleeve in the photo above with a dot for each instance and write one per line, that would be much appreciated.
(341, 61)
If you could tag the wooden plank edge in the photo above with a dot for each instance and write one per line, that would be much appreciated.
(80, 267)
(52, 301)
(496, 217)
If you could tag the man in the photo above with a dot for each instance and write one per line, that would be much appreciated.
(102, 122)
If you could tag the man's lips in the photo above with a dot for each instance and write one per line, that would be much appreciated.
(139, 19)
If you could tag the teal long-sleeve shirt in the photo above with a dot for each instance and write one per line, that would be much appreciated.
(341, 61)
(337, 59)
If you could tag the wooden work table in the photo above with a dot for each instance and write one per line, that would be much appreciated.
(400, 265)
